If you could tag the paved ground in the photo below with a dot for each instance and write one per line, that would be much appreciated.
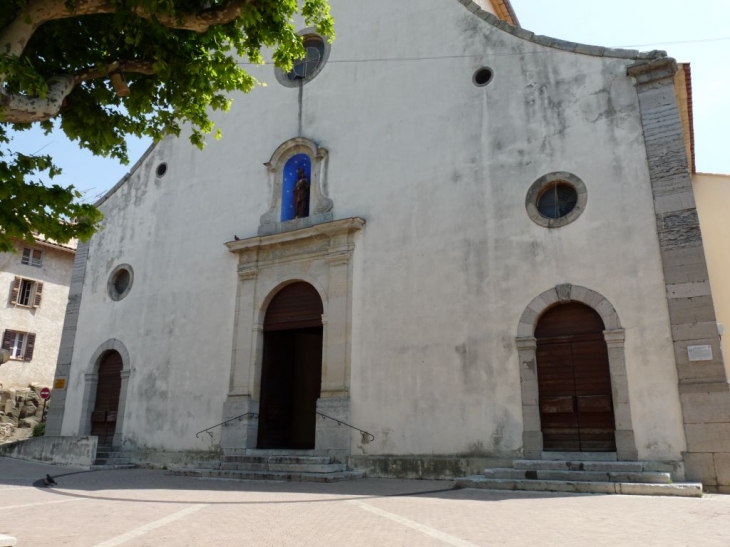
(146, 508)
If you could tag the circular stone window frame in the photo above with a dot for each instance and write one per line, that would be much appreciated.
(547, 181)
(478, 71)
(283, 77)
(161, 170)
(111, 287)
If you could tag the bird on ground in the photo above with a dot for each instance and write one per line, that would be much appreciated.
(236, 238)
(48, 481)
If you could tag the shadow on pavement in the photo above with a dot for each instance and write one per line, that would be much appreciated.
(139, 486)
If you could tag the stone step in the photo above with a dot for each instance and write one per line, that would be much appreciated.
(289, 459)
(286, 467)
(648, 477)
(580, 456)
(112, 461)
(266, 452)
(268, 475)
(685, 489)
(536, 465)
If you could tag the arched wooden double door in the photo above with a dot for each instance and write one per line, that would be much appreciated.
(292, 368)
(106, 405)
(574, 381)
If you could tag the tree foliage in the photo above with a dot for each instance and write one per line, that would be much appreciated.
(180, 60)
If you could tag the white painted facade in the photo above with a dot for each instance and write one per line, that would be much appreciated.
(45, 321)
(447, 262)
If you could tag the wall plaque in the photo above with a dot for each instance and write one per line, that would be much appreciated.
(700, 353)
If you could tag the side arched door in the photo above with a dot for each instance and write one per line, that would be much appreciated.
(574, 381)
(104, 416)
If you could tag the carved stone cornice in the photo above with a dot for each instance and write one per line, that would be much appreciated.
(327, 229)
(647, 72)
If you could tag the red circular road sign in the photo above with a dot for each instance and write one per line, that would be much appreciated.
(45, 393)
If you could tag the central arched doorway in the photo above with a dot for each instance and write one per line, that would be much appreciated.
(574, 381)
(106, 405)
(291, 375)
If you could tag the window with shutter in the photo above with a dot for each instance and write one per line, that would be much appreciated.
(38, 294)
(26, 256)
(16, 290)
(8, 339)
(29, 347)
(20, 344)
(26, 292)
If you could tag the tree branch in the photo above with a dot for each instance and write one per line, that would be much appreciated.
(202, 20)
(24, 109)
(16, 35)
(117, 67)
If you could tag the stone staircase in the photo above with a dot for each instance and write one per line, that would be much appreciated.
(589, 473)
(108, 457)
(277, 465)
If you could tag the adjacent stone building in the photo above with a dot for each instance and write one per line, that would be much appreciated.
(474, 243)
(35, 280)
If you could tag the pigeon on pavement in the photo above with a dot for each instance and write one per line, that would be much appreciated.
(48, 481)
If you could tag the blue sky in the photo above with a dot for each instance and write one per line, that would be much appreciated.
(695, 32)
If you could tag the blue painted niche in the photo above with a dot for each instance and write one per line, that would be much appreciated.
(288, 208)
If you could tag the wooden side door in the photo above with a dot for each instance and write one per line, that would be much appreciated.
(594, 400)
(104, 415)
(576, 404)
(556, 384)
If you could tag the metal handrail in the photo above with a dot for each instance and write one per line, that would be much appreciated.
(239, 418)
(364, 434)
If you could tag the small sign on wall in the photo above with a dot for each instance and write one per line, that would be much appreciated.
(60, 383)
(700, 353)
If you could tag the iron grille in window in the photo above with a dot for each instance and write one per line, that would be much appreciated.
(557, 201)
(305, 67)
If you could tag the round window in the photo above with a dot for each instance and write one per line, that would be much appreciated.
(556, 199)
(306, 66)
(483, 76)
(120, 281)
(316, 52)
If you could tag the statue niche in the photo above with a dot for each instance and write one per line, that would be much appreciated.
(298, 183)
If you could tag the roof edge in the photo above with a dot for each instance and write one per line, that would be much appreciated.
(508, 13)
(126, 177)
(562, 45)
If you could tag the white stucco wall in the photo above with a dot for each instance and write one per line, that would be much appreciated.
(45, 321)
(448, 260)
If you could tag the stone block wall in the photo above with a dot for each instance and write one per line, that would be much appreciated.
(703, 385)
(20, 408)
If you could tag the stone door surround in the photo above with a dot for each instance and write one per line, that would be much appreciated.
(526, 349)
(320, 255)
(92, 379)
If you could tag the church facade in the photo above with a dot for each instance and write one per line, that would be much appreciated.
(469, 242)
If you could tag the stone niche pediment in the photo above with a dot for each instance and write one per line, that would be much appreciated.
(274, 221)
